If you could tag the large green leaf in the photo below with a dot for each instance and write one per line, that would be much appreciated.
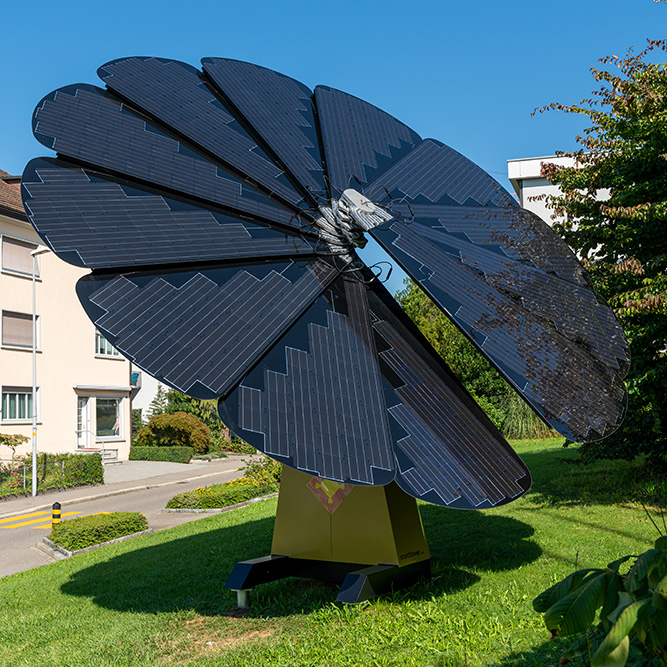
(559, 590)
(576, 611)
(660, 595)
(643, 565)
(658, 622)
(659, 571)
(613, 651)
(612, 590)
(615, 658)
(615, 565)
(661, 543)
(624, 600)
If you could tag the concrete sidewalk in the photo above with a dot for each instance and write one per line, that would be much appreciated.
(127, 477)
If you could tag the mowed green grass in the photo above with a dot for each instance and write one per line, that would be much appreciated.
(159, 599)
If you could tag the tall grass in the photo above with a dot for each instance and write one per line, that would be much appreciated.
(520, 422)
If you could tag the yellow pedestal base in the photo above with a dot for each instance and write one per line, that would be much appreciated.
(372, 525)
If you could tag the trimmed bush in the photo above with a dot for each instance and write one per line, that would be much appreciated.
(237, 446)
(54, 471)
(259, 479)
(218, 495)
(173, 454)
(83, 469)
(177, 430)
(87, 531)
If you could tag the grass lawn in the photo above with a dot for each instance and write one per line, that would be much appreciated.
(159, 599)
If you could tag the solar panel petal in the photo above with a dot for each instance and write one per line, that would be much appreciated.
(177, 95)
(507, 310)
(97, 221)
(198, 331)
(354, 376)
(280, 111)
(359, 139)
(89, 125)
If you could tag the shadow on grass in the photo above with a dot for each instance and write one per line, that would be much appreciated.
(189, 573)
(476, 540)
(557, 479)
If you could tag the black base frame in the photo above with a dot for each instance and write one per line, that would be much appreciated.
(357, 582)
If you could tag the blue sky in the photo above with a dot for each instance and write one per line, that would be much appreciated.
(466, 73)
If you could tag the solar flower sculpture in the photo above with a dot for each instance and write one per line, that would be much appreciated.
(219, 212)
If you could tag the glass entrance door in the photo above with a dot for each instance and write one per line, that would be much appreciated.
(82, 422)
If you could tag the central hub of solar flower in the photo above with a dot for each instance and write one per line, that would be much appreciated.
(344, 222)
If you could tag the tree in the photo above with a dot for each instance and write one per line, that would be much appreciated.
(505, 409)
(622, 236)
(158, 406)
(13, 442)
(205, 410)
(474, 371)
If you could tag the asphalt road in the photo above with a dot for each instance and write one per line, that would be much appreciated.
(20, 534)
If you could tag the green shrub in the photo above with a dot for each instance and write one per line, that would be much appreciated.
(264, 473)
(87, 531)
(259, 479)
(218, 495)
(235, 445)
(175, 430)
(173, 454)
(632, 626)
(83, 469)
(54, 471)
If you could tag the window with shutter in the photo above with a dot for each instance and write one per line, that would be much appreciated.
(16, 329)
(16, 256)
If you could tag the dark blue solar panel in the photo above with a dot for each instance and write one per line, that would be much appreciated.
(279, 109)
(359, 139)
(85, 123)
(175, 93)
(94, 221)
(352, 393)
(200, 331)
(513, 232)
(433, 173)
(521, 319)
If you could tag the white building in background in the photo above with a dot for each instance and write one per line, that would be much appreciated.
(144, 389)
(83, 383)
(525, 176)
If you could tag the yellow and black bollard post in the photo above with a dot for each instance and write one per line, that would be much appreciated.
(55, 519)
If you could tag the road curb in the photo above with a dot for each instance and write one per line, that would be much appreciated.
(115, 492)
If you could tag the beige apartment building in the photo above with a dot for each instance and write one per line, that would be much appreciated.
(83, 383)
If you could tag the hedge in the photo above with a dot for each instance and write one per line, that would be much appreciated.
(174, 454)
(87, 531)
(54, 471)
(259, 479)
(218, 495)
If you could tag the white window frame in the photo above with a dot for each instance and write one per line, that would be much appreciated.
(28, 348)
(121, 420)
(13, 272)
(15, 389)
(115, 354)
